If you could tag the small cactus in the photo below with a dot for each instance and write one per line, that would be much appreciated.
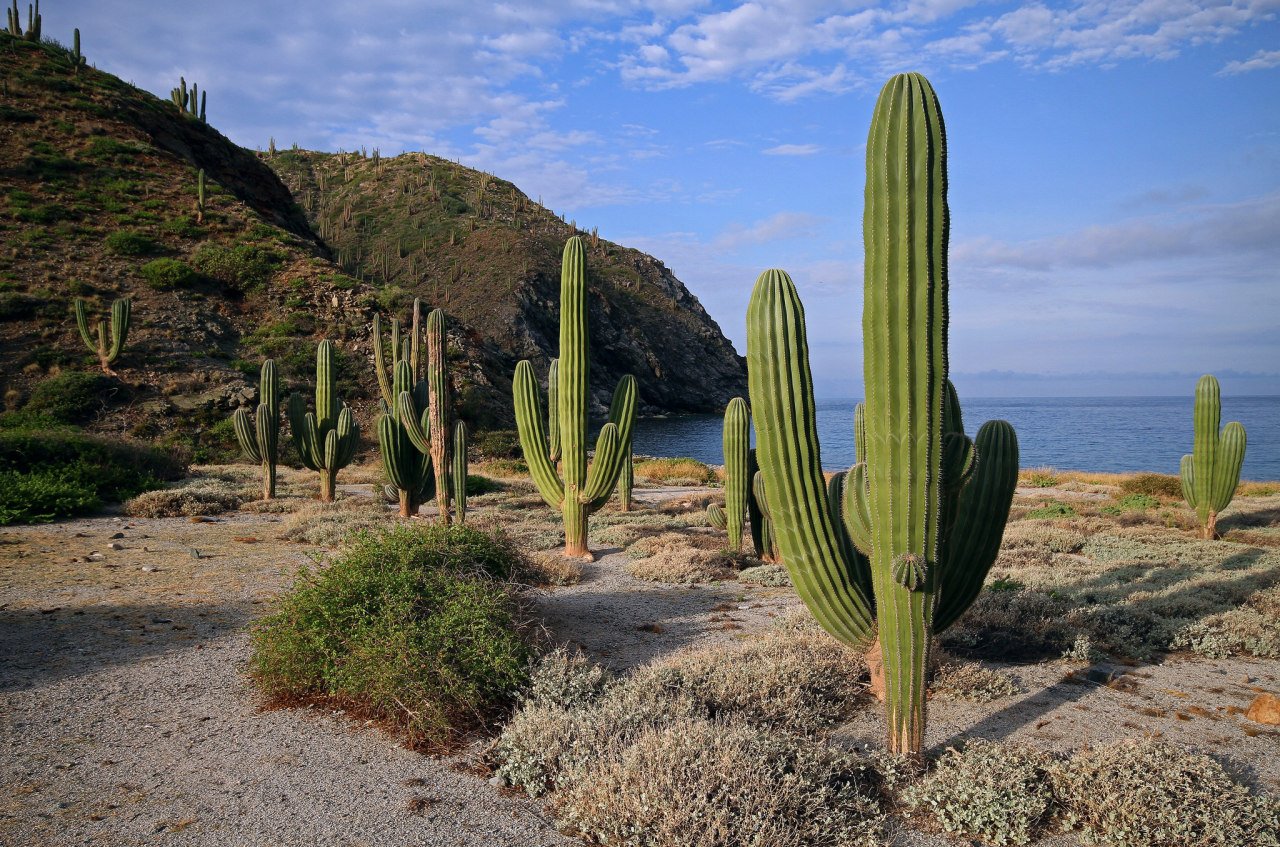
(326, 439)
(96, 339)
(1211, 472)
(78, 60)
(260, 438)
(743, 486)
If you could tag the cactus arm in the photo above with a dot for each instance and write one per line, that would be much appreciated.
(859, 433)
(348, 437)
(859, 564)
(302, 427)
(533, 438)
(768, 538)
(245, 434)
(622, 407)
(459, 473)
(781, 388)
(1187, 476)
(394, 459)
(553, 403)
(1208, 414)
(380, 362)
(982, 511)
(716, 516)
(1226, 469)
(626, 481)
(326, 394)
(120, 312)
(82, 323)
(415, 341)
(417, 425)
(736, 442)
(268, 425)
(602, 476)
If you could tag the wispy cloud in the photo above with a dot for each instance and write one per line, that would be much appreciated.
(1260, 61)
(777, 227)
(792, 150)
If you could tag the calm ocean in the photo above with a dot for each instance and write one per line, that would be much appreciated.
(1113, 434)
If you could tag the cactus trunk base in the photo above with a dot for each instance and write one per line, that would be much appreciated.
(408, 508)
(327, 486)
(1210, 529)
(875, 666)
(268, 481)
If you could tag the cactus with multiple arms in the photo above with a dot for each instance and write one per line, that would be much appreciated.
(1211, 472)
(190, 103)
(32, 32)
(579, 492)
(260, 438)
(407, 466)
(923, 504)
(743, 491)
(326, 439)
(96, 338)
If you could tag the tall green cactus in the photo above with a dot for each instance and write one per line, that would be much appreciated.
(200, 196)
(260, 438)
(408, 467)
(458, 473)
(78, 60)
(580, 492)
(918, 505)
(440, 412)
(1211, 472)
(743, 492)
(408, 349)
(326, 439)
(96, 338)
(32, 32)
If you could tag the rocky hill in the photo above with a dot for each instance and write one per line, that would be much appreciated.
(98, 200)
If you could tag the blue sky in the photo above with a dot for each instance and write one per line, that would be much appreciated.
(1114, 166)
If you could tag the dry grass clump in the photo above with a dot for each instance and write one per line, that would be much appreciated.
(550, 567)
(681, 559)
(998, 794)
(186, 499)
(1021, 534)
(1251, 630)
(716, 784)
(619, 535)
(769, 576)
(970, 681)
(675, 471)
(1166, 486)
(1149, 794)
(329, 524)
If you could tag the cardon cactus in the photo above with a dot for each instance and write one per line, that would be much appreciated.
(924, 502)
(743, 492)
(408, 467)
(578, 492)
(32, 32)
(1211, 472)
(260, 438)
(326, 439)
(96, 338)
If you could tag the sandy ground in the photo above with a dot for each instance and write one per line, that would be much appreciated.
(126, 717)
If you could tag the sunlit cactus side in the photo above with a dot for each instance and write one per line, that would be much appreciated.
(326, 439)
(260, 438)
(95, 337)
(458, 474)
(1211, 472)
(32, 32)
(408, 467)
(440, 411)
(910, 496)
(736, 442)
(576, 490)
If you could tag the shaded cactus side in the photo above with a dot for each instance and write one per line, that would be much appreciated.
(1211, 472)
(576, 490)
(743, 492)
(96, 338)
(325, 439)
(260, 438)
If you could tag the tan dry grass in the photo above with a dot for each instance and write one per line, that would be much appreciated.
(675, 472)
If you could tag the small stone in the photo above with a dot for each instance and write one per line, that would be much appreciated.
(95, 556)
(497, 781)
(1265, 708)
(118, 535)
(149, 569)
(115, 545)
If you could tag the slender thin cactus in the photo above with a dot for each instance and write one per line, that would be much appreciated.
(626, 481)
(200, 196)
(1211, 472)
(919, 505)
(96, 339)
(78, 60)
(576, 491)
(326, 439)
(440, 413)
(260, 438)
(458, 474)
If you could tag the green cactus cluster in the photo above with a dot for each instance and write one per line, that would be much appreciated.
(924, 502)
(744, 494)
(1211, 472)
(260, 438)
(32, 31)
(575, 491)
(189, 102)
(326, 438)
(96, 338)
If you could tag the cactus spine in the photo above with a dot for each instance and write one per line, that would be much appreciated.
(915, 504)
(579, 492)
(260, 438)
(1211, 472)
(326, 439)
(96, 338)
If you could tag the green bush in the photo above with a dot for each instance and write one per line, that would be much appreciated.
(412, 627)
(128, 242)
(497, 444)
(167, 273)
(243, 266)
(1053, 510)
(1153, 484)
(42, 496)
(71, 396)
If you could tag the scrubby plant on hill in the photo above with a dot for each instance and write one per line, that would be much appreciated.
(927, 506)
(414, 627)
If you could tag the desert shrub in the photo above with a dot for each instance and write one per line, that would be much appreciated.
(972, 682)
(1021, 534)
(715, 784)
(1152, 484)
(329, 524)
(770, 576)
(16, 305)
(1149, 794)
(506, 468)
(1251, 630)
(412, 627)
(1137, 500)
(477, 485)
(127, 242)
(1039, 477)
(43, 496)
(551, 567)
(681, 565)
(675, 471)
(998, 794)
(1011, 626)
(71, 396)
(1052, 510)
(183, 500)
(243, 267)
(566, 679)
(497, 444)
(165, 273)
(619, 535)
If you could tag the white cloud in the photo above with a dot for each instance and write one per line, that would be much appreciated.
(792, 150)
(1260, 61)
